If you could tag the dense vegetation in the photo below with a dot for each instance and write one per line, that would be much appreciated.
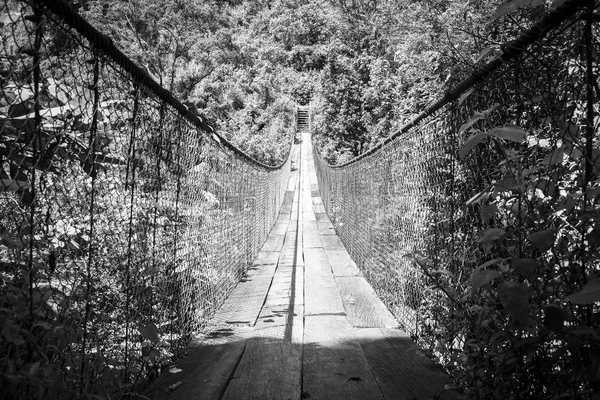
(367, 67)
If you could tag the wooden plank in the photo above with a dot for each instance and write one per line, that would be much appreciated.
(270, 369)
(326, 228)
(279, 229)
(205, 372)
(310, 227)
(291, 256)
(266, 258)
(318, 208)
(308, 215)
(290, 239)
(401, 369)
(341, 263)
(335, 366)
(295, 208)
(321, 291)
(273, 243)
(283, 219)
(322, 217)
(293, 182)
(332, 242)
(243, 305)
(362, 305)
(288, 199)
(312, 241)
(272, 362)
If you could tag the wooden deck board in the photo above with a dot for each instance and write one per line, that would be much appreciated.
(341, 263)
(213, 360)
(273, 243)
(401, 369)
(326, 228)
(321, 291)
(286, 206)
(334, 365)
(271, 365)
(243, 305)
(362, 305)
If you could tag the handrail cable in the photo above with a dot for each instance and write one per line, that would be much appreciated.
(105, 44)
(510, 51)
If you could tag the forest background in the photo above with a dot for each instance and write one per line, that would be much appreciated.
(369, 66)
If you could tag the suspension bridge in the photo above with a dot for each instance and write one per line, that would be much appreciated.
(143, 255)
(304, 323)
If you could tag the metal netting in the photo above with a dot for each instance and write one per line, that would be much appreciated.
(476, 225)
(123, 225)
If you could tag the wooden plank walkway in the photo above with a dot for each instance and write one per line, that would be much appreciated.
(303, 323)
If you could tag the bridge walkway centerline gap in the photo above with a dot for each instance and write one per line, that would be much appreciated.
(303, 322)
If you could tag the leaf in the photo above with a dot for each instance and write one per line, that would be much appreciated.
(481, 55)
(543, 240)
(480, 278)
(490, 263)
(154, 353)
(479, 198)
(583, 330)
(555, 157)
(149, 332)
(588, 295)
(491, 234)
(508, 7)
(476, 117)
(512, 133)
(515, 299)
(465, 95)
(11, 185)
(554, 317)
(470, 144)
(172, 387)
(506, 185)
(34, 368)
(524, 266)
(488, 212)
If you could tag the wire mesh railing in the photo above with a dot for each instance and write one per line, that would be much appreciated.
(478, 223)
(124, 221)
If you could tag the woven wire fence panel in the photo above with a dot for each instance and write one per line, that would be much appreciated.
(477, 226)
(123, 226)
